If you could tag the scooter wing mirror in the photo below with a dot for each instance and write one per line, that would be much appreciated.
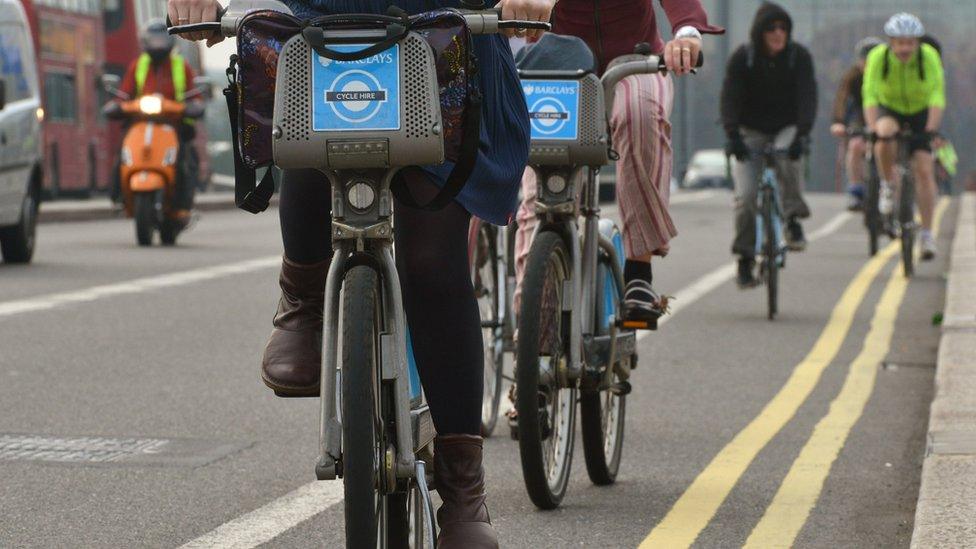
(3, 94)
(111, 83)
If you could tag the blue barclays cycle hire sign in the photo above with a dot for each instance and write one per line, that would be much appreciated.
(360, 95)
(553, 108)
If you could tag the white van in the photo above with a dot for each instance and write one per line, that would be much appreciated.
(20, 135)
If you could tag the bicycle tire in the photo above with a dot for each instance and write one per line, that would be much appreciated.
(872, 217)
(906, 219)
(603, 413)
(540, 332)
(363, 437)
(771, 251)
(484, 270)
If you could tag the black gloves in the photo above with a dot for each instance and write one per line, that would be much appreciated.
(112, 110)
(194, 109)
(799, 147)
(736, 147)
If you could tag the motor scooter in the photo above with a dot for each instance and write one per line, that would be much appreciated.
(148, 166)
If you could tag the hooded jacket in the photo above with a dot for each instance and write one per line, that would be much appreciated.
(769, 93)
(613, 27)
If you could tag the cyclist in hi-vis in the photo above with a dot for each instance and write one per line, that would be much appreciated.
(904, 87)
(848, 116)
(769, 96)
(640, 130)
(432, 262)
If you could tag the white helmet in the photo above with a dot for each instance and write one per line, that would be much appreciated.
(904, 25)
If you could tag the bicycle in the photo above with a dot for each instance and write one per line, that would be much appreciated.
(571, 343)
(770, 243)
(873, 221)
(901, 224)
(376, 432)
(491, 250)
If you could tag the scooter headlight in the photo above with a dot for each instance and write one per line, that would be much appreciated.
(150, 104)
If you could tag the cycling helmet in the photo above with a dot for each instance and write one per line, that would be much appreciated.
(904, 25)
(155, 40)
(865, 45)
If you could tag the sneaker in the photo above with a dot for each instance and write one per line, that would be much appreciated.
(642, 305)
(794, 236)
(745, 278)
(927, 242)
(886, 199)
(855, 198)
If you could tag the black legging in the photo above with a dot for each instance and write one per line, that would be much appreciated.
(439, 301)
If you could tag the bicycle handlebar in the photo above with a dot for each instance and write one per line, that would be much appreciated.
(487, 21)
(646, 65)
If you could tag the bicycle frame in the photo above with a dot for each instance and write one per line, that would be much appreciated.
(769, 190)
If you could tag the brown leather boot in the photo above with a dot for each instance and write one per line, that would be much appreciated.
(293, 357)
(460, 481)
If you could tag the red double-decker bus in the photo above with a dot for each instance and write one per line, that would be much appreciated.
(70, 45)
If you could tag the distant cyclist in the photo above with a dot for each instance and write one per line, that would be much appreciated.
(769, 96)
(904, 86)
(848, 115)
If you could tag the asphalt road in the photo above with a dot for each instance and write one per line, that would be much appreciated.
(132, 347)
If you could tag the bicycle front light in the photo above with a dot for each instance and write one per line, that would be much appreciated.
(361, 195)
(556, 183)
(150, 104)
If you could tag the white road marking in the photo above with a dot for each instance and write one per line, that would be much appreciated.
(266, 523)
(691, 196)
(135, 286)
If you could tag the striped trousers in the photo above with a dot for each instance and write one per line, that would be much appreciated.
(641, 133)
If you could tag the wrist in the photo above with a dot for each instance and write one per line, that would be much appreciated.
(687, 31)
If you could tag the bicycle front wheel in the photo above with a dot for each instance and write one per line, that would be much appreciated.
(484, 271)
(546, 406)
(771, 251)
(373, 515)
(872, 218)
(906, 218)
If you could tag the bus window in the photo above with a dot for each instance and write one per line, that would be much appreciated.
(60, 97)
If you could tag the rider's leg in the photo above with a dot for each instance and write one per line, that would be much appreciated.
(790, 176)
(526, 221)
(745, 175)
(293, 356)
(885, 155)
(855, 171)
(641, 134)
(925, 194)
(445, 329)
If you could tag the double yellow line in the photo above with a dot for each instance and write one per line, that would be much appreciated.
(802, 486)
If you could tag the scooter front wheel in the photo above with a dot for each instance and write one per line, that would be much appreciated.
(146, 216)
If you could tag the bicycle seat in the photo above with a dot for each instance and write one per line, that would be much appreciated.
(557, 53)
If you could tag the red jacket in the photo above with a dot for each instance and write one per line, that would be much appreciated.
(159, 80)
(613, 27)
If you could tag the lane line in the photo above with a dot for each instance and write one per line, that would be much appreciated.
(134, 286)
(691, 196)
(699, 503)
(801, 488)
(268, 522)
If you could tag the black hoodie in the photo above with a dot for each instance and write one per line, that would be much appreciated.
(769, 93)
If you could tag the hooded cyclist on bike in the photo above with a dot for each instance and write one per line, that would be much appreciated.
(904, 87)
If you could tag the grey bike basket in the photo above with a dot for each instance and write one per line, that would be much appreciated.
(419, 141)
(590, 148)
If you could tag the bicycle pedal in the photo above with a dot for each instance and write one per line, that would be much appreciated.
(621, 388)
(637, 324)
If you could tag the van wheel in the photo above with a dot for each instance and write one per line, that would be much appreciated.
(17, 241)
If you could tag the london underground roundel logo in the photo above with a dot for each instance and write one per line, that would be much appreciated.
(549, 115)
(355, 96)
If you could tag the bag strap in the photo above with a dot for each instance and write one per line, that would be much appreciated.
(248, 196)
(467, 156)
(397, 27)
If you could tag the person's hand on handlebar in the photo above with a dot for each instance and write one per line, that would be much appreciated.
(838, 130)
(526, 10)
(681, 55)
(189, 12)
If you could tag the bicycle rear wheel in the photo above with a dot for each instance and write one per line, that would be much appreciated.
(906, 219)
(872, 217)
(771, 252)
(374, 516)
(484, 271)
(546, 407)
(602, 409)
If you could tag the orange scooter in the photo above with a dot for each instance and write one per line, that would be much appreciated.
(148, 164)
